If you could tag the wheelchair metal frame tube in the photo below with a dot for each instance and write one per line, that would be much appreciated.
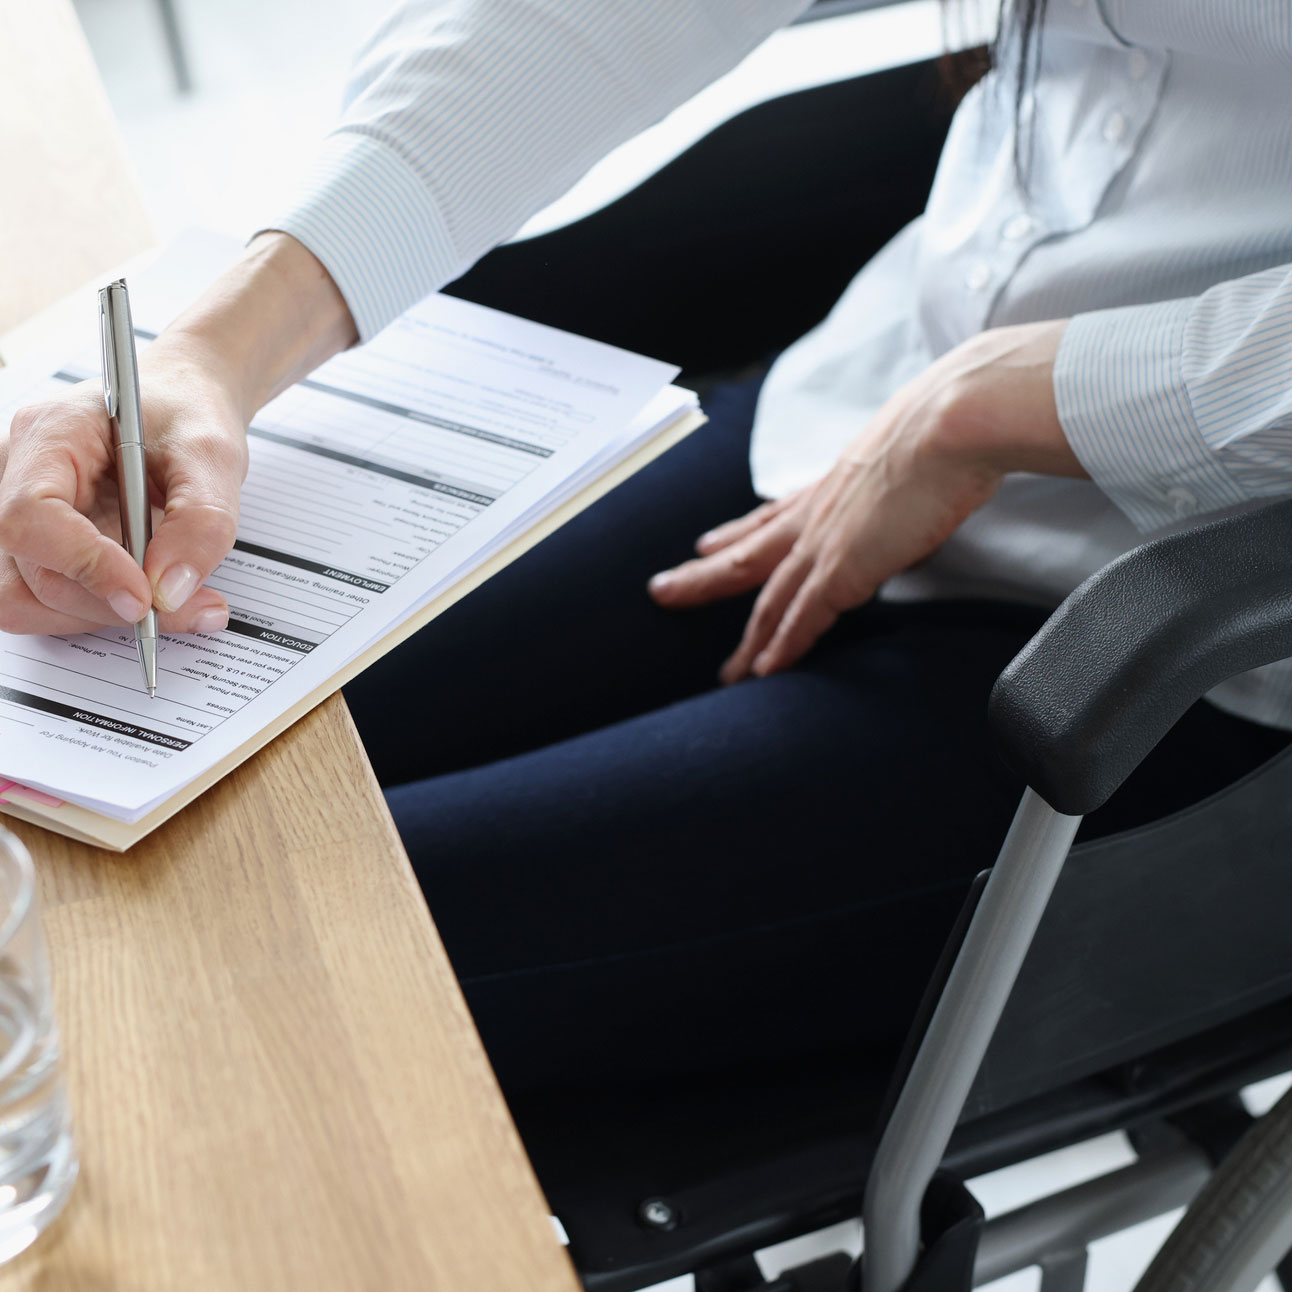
(958, 1034)
(1076, 1217)
(1066, 1273)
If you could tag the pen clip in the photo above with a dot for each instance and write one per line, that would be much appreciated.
(111, 382)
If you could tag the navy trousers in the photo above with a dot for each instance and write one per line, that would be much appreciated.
(638, 872)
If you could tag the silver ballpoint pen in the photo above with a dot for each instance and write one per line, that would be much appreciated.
(121, 394)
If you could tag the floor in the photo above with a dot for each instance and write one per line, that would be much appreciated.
(267, 80)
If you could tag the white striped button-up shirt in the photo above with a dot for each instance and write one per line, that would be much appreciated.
(1156, 214)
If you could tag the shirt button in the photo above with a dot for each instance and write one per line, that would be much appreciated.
(1017, 228)
(1138, 64)
(1182, 501)
(1114, 127)
(978, 276)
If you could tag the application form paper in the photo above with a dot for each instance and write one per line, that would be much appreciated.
(373, 486)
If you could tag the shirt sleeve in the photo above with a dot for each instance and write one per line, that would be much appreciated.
(1183, 406)
(463, 118)
(1255, 32)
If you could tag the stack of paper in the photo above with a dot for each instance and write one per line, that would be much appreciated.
(381, 488)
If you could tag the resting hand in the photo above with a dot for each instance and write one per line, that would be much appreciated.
(62, 566)
(932, 455)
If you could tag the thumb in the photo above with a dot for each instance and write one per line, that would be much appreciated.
(201, 477)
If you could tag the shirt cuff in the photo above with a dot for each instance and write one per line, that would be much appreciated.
(1123, 404)
(374, 224)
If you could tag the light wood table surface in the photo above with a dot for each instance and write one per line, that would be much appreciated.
(275, 1080)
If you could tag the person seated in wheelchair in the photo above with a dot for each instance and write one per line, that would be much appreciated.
(658, 830)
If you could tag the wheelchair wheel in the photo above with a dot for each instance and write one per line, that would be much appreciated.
(1240, 1225)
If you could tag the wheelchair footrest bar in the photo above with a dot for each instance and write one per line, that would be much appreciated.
(957, 1037)
(1076, 1217)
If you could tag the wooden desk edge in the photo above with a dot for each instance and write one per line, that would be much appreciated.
(445, 1196)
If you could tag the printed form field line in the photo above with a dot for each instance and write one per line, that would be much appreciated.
(369, 486)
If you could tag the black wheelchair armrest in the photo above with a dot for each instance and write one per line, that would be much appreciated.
(1135, 645)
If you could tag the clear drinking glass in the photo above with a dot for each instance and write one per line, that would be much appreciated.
(37, 1157)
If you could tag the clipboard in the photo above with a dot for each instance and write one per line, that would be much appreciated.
(117, 836)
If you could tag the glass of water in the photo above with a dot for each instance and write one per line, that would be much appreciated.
(37, 1157)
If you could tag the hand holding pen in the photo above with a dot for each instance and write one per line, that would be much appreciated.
(266, 322)
(63, 568)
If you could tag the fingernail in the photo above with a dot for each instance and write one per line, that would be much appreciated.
(176, 586)
(727, 673)
(761, 664)
(706, 537)
(662, 581)
(213, 620)
(127, 606)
